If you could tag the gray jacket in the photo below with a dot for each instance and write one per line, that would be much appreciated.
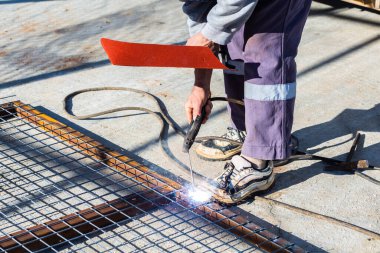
(218, 20)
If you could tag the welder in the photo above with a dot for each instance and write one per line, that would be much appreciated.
(259, 39)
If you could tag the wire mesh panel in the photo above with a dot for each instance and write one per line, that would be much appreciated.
(171, 229)
(61, 191)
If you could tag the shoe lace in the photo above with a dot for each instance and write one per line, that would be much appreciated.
(230, 134)
(242, 135)
(237, 176)
(234, 134)
(224, 179)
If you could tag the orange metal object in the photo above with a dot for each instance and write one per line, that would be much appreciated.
(153, 55)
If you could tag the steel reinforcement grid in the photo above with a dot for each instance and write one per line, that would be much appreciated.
(61, 191)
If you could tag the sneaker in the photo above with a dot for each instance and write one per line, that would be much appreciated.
(241, 179)
(217, 150)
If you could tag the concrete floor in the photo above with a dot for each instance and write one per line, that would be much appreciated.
(51, 48)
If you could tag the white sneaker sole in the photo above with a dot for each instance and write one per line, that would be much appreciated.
(253, 188)
(246, 192)
(217, 157)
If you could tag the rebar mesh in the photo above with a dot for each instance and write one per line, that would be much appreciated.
(47, 182)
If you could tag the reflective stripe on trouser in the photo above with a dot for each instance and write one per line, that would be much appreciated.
(267, 44)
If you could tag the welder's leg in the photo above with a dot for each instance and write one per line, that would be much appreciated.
(234, 86)
(234, 80)
(272, 36)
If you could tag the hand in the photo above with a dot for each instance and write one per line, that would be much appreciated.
(198, 97)
(199, 39)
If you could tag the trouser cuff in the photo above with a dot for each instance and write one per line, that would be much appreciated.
(266, 152)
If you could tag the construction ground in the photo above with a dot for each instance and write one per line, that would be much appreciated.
(49, 49)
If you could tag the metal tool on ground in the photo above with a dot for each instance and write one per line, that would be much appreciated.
(356, 167)
(349, 166)
(301, 155)
(189, 139)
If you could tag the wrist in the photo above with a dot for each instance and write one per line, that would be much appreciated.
(202, 92)
(202, 87)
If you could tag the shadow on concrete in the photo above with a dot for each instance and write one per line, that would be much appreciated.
(74, 30)
(47, 57)
(71, 70)
(73, 47)
(334, 58)
(347, 123)
(22, 81)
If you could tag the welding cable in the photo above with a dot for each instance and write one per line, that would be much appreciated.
(161, 112)
(161, 115)
(165, 120)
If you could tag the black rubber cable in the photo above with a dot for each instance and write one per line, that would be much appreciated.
(164, 119)
(160, 115)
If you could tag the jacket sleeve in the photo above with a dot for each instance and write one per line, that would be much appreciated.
(218, 20)
(197, 14)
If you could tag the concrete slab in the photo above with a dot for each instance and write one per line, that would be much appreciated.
(51, 48)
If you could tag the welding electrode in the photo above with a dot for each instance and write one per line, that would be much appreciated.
(189, 139)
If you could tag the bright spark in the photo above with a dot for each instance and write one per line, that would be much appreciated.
(199, 195)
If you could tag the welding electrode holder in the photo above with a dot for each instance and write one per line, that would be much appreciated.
(195, 125)
(225, 58)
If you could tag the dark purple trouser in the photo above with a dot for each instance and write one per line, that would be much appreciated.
(264, 51)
